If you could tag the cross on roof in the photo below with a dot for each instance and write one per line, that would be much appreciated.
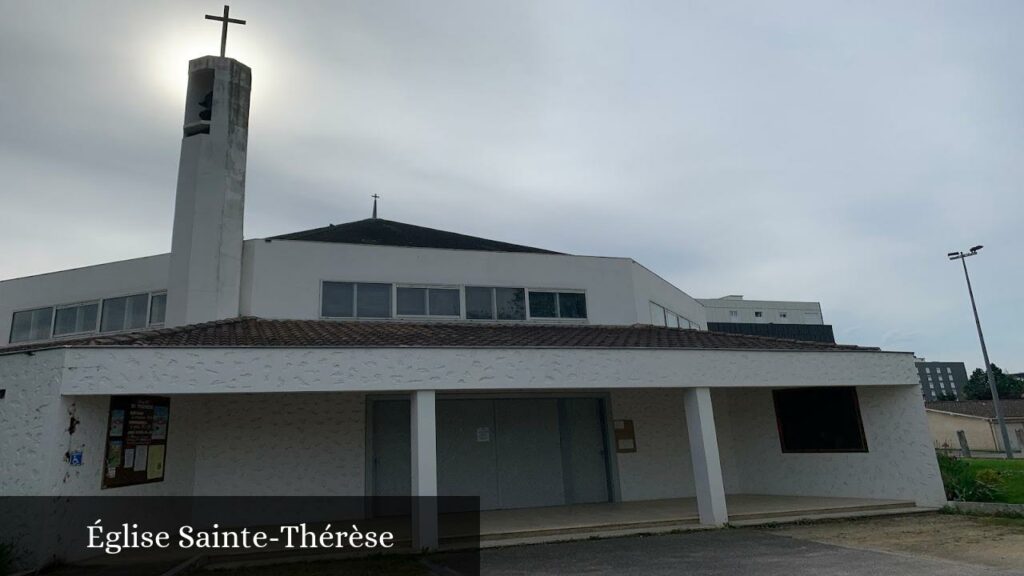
(224, 27)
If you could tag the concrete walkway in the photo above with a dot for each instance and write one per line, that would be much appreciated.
(717, 552)
(677, 513)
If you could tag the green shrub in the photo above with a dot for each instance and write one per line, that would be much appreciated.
(967, 484)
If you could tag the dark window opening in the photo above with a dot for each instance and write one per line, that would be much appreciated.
(819, 420)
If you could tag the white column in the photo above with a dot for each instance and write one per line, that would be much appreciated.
(424, 469)
(707, 467)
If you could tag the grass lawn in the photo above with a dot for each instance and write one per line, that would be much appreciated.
(1012, 473)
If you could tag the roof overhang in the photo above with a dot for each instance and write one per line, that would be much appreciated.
(219, 370)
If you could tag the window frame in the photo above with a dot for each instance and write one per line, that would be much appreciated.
(149, 311)
(99, 301)
(463, 314)
(103, 303)
(426, 304)
(558, 306)
(95, 330)
(355, 301)
(666, 313)
(53, 317)
(864, 449)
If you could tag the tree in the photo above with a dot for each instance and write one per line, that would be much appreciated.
(977, 386)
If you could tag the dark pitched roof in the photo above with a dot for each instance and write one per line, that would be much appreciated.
(258, 332)
(380, 232)
(1012, 408)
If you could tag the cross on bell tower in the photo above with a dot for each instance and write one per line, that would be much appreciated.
(204, 276)
(224, 27)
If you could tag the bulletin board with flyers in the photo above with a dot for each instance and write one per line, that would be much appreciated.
(136, 440)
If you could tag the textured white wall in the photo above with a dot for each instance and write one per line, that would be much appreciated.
(34, 435)
(32, 423)
(93, 412)
(281, 445)
(206, 371)
(660, 467)
(900, 462)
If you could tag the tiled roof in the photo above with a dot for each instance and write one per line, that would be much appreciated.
(381, 232)
(248, 331)
(1012, 408)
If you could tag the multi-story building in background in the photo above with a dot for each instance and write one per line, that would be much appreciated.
(942, 380)
(778, 319)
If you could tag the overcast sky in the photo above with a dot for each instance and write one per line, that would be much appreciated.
(830, 151)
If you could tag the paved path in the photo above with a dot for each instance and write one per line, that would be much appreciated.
(716, 552)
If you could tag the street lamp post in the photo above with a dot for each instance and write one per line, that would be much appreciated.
(962, 257)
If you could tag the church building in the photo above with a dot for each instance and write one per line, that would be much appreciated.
(385, 358)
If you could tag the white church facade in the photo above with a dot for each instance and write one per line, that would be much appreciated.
(381, 358)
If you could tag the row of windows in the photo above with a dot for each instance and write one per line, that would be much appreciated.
(809, 317)
(661, 316)
(109, 315)
(938, 370)
(377, 300)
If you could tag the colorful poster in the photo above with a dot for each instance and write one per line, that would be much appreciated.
(141, 452)
(159, 423)
(114, 453)
(136, 440)
(116, 423)
(155, 469)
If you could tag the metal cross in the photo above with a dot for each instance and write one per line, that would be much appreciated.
(375, 197)
(224, 27)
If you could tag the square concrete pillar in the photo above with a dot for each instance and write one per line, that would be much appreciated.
(707, 466)
(423, 416)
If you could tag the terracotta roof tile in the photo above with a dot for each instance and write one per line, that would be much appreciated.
(258, 332)
(1012, 407)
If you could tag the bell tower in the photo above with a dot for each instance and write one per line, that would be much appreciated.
(206, 248)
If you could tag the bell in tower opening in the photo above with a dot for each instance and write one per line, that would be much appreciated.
(199, 102)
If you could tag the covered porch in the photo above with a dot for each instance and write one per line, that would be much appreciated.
(260, 412)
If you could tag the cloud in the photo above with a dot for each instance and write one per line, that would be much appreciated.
(788, 150)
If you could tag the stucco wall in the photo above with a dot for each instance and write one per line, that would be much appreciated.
(281, 445)
(943, 429)
(35, 435)
(93, 412)
(33, 423)
(661, 466)
(900, 462)
(209, 371)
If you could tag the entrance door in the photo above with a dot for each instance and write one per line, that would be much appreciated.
(529, 453)
(584, 449)
(511, 452)
(392, 456)
(466, 453)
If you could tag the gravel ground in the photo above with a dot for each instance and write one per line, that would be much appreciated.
(996, 542)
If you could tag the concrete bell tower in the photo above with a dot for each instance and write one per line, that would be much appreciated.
(206, 248)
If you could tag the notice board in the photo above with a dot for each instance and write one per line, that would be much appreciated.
(136, 448)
